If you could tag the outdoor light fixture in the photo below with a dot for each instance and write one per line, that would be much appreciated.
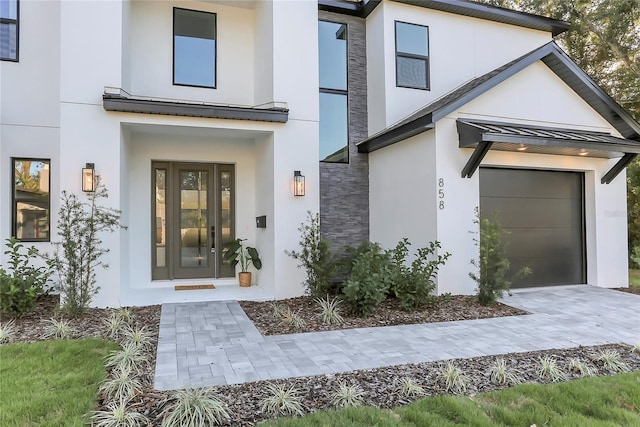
(583, 152)
(298, 183)
(522, 147)
(89, 178)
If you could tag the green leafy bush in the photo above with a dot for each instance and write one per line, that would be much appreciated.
(316, 258)
(414, 285)
(21, 286)
(634, 257)
(493, 268)
(370, 280)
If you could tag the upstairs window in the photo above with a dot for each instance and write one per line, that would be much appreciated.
(334, 111)
(31, 201)
(194, 48)
(9, 30)
(412, 56)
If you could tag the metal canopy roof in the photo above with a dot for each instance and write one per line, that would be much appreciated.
(131, 104)
(549, 54)
(484, 136)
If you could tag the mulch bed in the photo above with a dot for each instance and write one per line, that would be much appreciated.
(389, 313)
(379, 385)
(31, 326)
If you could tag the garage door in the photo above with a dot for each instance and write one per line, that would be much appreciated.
(543, 211)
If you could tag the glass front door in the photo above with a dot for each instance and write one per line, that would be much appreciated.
(193, 220)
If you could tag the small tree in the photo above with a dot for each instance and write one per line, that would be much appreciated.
(492, 274)
(80, 253)
(315, 257)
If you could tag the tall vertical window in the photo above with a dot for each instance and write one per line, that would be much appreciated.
(9, 30)
(334, 110)
(194, 48)
(31, 201)
(412, 56)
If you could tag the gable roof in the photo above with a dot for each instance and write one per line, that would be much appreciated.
(552, 56)
(472, 9)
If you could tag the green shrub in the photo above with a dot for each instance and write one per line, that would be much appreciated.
(414, 285)
(21, 286)
(634, 257)
(80, 253)
(493, 268)
(345, 259)
(370, 280)
(316, 258)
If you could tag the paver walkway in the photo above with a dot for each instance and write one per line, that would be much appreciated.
(214, 343)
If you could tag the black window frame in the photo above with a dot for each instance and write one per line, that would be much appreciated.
(14, 204)
(426, 58)
(173, 44)
(15, 22)
(344, 92)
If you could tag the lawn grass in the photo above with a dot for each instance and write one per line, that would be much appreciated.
(603, 401)
(634, 278)
(52, 383)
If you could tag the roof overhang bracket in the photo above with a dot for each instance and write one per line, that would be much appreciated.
(475, 159)
(618, 167)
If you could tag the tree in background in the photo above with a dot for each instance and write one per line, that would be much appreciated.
(605, 41)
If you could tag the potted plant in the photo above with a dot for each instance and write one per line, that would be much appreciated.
(245, 256)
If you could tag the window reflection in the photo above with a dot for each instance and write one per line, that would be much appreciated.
(334, 113)
(194, 48)
(9, 30)
(412, 56)
(31, 199)
(333, 127)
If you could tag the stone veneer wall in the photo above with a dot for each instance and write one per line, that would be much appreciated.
(344, 187)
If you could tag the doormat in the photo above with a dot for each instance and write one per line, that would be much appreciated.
(193, 287)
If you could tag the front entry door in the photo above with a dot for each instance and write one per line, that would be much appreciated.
(194, 220)
(194, 241)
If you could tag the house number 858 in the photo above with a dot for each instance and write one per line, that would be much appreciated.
(441, 193)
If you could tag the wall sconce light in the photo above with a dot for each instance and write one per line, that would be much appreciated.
(298, 183)
(89, 178)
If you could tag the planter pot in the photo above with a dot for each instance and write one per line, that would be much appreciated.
(245, 279)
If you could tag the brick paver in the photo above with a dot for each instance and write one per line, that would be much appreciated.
(214, 343)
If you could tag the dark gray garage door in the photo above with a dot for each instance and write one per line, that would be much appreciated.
(543, 212)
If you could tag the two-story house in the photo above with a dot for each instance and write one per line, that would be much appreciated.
(402, 117)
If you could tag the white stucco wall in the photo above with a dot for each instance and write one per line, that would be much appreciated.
(534, 96)
(376, 69)
(29, 107)
(460, 49)
(151, 52)
(402, 194)
(263, 52)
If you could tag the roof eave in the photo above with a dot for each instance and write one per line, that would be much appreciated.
(559, 63)
(396, 134)
(494, 13)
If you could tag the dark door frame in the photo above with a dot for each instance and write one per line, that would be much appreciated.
(170, 228)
